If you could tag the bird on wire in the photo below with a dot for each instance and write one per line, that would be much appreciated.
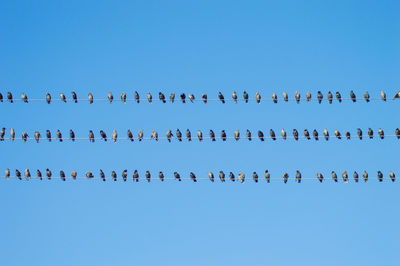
(149, 97)
(255, 177)
(359, 133)
(261, 135)
(383, 96)
(330, 97)
(355, 176)
(90, 96)
(315, 134)
(136, 96)
(380, 176)
(114, 175)
(161, 176)
(74, 97)
(267, 176)
(234, 97)
(212, 135)
(24, 98)
(63, 98)
(285, 177)
(334, 176)
(48, 98)
(91, 136)
(177, 176)
(319, 97)
(140, 135)
(370, 133)
(10, 97)
(285, 96)
(193, 177)
(352, 96)
(306, 134)
(204, 97)
(365, 176)
(295, 134)
(381, 133)
(222, 176)
(123, 97)
(298, 176)
(320, 177)
(200, 135)
(191, 97)
(248, 134)
(161, 96)
(37, 136)
(223, 135)
(2, 133)
(148, 176)
(297, 97)
(62, 175)
(74, 175)
(114, 136)
(103, 135)
(272, 134)
(18, 174)
(211, 176)
(183, 98)
(39, 174)
(245, 97)
(241, 177)
(231, 176)
(172, 97)
(130, 135)
(48, 173)
(71, 135)
(326, 134)
(347, 134)
(283, 133)
(366, 96)
(338, 97)
(59, 135)
(236, 135)
(258, 98)
(188, 135)
(308, 96)
(154, 135)
(178, 135)
(124, 175)
(221, 97)
(274, 98)
(345, 177)
(135, 176)
(102, 175)
(169, 135)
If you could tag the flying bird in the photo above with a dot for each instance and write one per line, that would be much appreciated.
(272, 134)
(74, 97)
(10, 97)
(223, 135)
(267, 176)
(114, 136)
(123, 97)
(222, 176)
(71, 135)
(320, 97)
(91, 136)
(234, 96)
(297, 96)
(193, 177)
(285, 96)
(355, 175)
(161, 176)
(113, 175)
(135, 176)
(25, 136)
(261, 135)
(315, 134)
(307, 134)
(148, 175)
(295, 134)
(48, 98)
(248, 135)
(241, 177)
(37, 136)
(237, 134)
(255, 177)
(183, 98)
(161, 96)
(392, 176)
(177, 176)
(283, 133)
(320, 177)
(149, 97)
(365, 176)
(18, 174)
(137, 98)
(231, 176)
(334, 176)
(345, 177)
(103, 135)
(172, 97)
(258, 98)
(246, 96)
(211, 176)
(169, 135)
(191, 97)
(24, 97)
(48, 173)
(90, 98)
(337, 134)
(39, 174)
(366, 96)
(212, 135)
(154, 135)
(200, 135)
(221, 97)
(140, 135)
(359, 133)
(380, 176)
(178, 135)
(274, 97)
(383, 96)
(204, 96)
(298, 176)
(308, 96)
(338, 97)
(285, 177)
(370, 133)
(74, 175)
(330, 97)
(62, 175)
(12, 134)
(352, 96)
(130, 135)
(102, 175)
(63, 98)
(380, 133)
(27, 174)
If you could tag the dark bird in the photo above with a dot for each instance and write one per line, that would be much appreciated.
(71, 135)
(338, 97)
(334, 176)
(365, 176)
(306, 134)
(178, 135)
(183, 98)
(221, 97)
(148, 176)
(154, 135)
(24, 97)
(397, 96)
(193, 177)
(89, 175)
(48, 98)
(172, 97)
(10, 97)
(12, 134)
(222, 176)
(7, 173)
(102, 175)
(320, 96)
(359, 133)
(261, 135)
(90, 98)
(130, 135)
(204, 96)
(48, 173)
(246, 97)
(315, 134)
(283, 133)
(353, 96)
(1, 97)
(320, 177)
(370, 133)
(397, 132)
(380, 176)
(380, 133)
(59, 135)
(39, 174)
(223, 135)
(267, 176)
(241, 177)
(272, 134)
(188, 135)
(383, 96)
(295, 134)
(63, 98)
(297, 96)
(18, 174)
(149, 97)
(25, 136)
(211, 176)
(37, 136)
(191, 97)
(248, 135)
(255, 177)
(140, 135)
(177, 176)
(366, 96)
(74, 175)
(285, 178)
(91, 136)
(337, 134)
(308, 96)
(200, 135)
(326, 134)
(330, 97)
(237, 134)
(27, 174)
(231, 176)
(212, 135)
(2, 133)
(103, 135)
(123, 97)
(113, 175)
(137, 98)
(169, 135)
(161, 176)
(298, 176)
(74, 97)
(258, 98)
(135, 176)
(62, 175)
(285, 97)
(392, 176)
(274, 97)
(345, 177)
(162, 97)
(124, 175)
(114, 136)
(234, 96)
(355, 175)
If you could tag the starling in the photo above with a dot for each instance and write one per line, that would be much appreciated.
(193, 177)
(212, 135)
(130, 135)
(337, 134)
(297, 97)
(91, 136)
(221, 97)
(135, 176)
(191, 97)
(148, 175)
(306, 134)
(231, 176)
(338, 97)
(234, 96)
(380, 176)
(59, 135)
(24, 98)
(114, 136)
(140, 135)
(352, 96)
(90, 175)
(12, 134)
(62, 175)
(274, 97)
(320, 177)
(365, 176)
(48, 98)
(71, 135)
(255, 177)
(154, 135)
(162, 97)
(74, 97)
(383, 96)
(204, 96)
(295, 134)
(7, 173)
(355, 175)
(200, 135)
(149, 97)
(285, 97)
(222, 176)
(27, 174)
(370, 133)
(10, 97)
(169, 135)
(267, 176)
(223, 135)
(283, 133)
(397, 132)
(48, 173)
(183, 98)
(315, 134)
(392, 176)
(348, 135)
(246, 96)
(63, 98)
(113, 175)
(330, 97)
(258, 97)
(334, 176)
(211, 176)
(272, 134)
(172, 97)
(261, 135)
(2, 133)
(248, 134)
(366, 96)
(285, 178)
(397, 96)
(177, 176)
(381, 134)
(123, 97)
(320, 97)
(74, 174)
(237, 134)
(37, 136)
(241, 177)
(308, 96)
(103, 135)
(102, 175)
(298, 176)
(188, 135)
(18, 174)
(1, 97)
(161, 176)
(345, 177)
(359, 133)
(137, 97)
(178, 135)
(90, 98)
(39, 174)
(25, 136)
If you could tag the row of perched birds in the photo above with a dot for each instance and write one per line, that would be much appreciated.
(177, 176)
(190, 97)
(179, 136)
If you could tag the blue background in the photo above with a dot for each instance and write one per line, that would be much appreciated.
(199, 47)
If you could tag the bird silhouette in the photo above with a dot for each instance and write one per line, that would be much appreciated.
(27, 174)
(392, 176)
(149, 97)
(89, 175)
(37, 136)
(298, 176)
(193, 177)
(345, 177)
(178, 135)
(191, 97)
(140, 135)
(295, 134)
(307, 134)
(337, 134)
(48, 98)
(255, 177)
(18, 174)
(7, 173)
(177, 176)
(320, 177)
(103, 135)
(285, 97)
(74, 175)
(231, 176)
(380, 176)
(334, 176)
(319, 97)
(114, 175)
(135, 176)
(330, 97)
(123, 97)
(12, 134)
(355, 176)
(10, 97)
(161, 176)
(39, 174)
(91, 136)
(234, 97)
(204, 96)
(365, 176)
(397, 96)
(383, 96)
(161, 96)
(102, 175)
(48, 173)
(154, 135)
(114, 136)
(71, 135)
(381, 133)
(258, 97)
(130, 135)
(241, 177)
(24, 97)
(352, 96)
(359, 133)
(169, 135)
(212, 135)
(63, 98)
(274, 97)
(62, 175)
(261, 135)
(221, 97)
(248, 135)
(315, 134)
(297, 96)
(183, 98)
(366, 96)
(136, 96)
(211, 176)
(74, 97)
(272, 134)
(246, 96)
(326, 134)
(308, 96)
(370, 133)
(223, 135)
(285, 177)
(25, 136)
(397, 132)
(148, 176)
(338, 97)
(283, 133)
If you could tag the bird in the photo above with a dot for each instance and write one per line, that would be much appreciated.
(71, 135)
(74, 97)
(204, 96)
(48, 173)
(137, 98)
(338, 97)
(212, 135)
(320, 96)
(1, 97)
(283, 133)
(383, 96)
(123, 97)
(231, 176)
(352, 96)
(222, 176)
(24, 97)
(161, 96)
(295, 134)
(223, 135)
(169, 135)
(272, 134)
(74, 175)
(380, 176)
(149, 97)
(241, 177)
(114, 136)
(177, 176)
(103, 135)
(211, 176)
(39, 174)
(18, 174)
(135, 176)
(89, 175)
(330, 97)
(148, 175)
(178, 135)
(48, 135)
(193, 177)
(308, 96)
(397, 132)
(248, 135)
(370, 133)
(261, 135)
(161, 176)
(365, 176)
(12, 134)
(140, 135)
(91, 136)
(102, 175)
(366, 96)
(200, 135)
(183, 98)
(306, 134)
(347, 134)
(10, 97)
(297, 96)
(285, 97)
(188, 135)
(355, 175)
(90, 95)
(2, 133)
(298, 176)
(397, 96)
(380, 133)
(274, 97)
(345, 177)
(27, 174)
(48, 98)
(258, 97)
(62, 175)
(63, 98)
(130, 135)
(246, 97)
(315, 134)
(191, 97)
(392, 176)
(7, 173)
(110, 97)
(267, 176)
(37, 136)
(221, 97)
(113, 175)
(285, 177)
(172, 97)
(334, 176)
(320, 177)
(59, 135)
(234, 96)
(255, 177)
(154, 135)
(326, 134)
(337, 134)
(359, 133)
(237, 134)
(25, 136)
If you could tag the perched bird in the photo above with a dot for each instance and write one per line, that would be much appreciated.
(91, 136)
(2, 133)
(298, 176)
(237, 134)
(74, 175)
(191, 97)
(231, 176)
(177, 176)
(274, 97)
(366, 96)
(188, 135)
(154, 135)
(39, 174)
(334, 176)
(365, 176)
(330, 97)
(355, 175)
(338, 97)
(255, 177)
(285, 177)
(337, 134)
(234, 96)
(272, 134)
(285, 96)
(320, 96)
(24, 97)
(74, 97)
(370, 133)
(140, 135)
(103, 135)
(130, 135)
(359, 133)
(48, 173)
(27, 174)
(380, 176)
(135, 176)
(308, 96)
(25, 136)
(12, 134)
(178, 135)
(222, 176)
(258, 98)
(59, 135)
(137, 98)
(345, 177)
(261, 135)
(315, 134)
(306, 134)
(161, 176)
(114, 136)
(295, 134)
(18, 174)
(283, 133)
(397, 132)
(48, 98)
(204, 96)
(1, 97)
(63, 98)
(90, 95)
(397, 96)
(161, 96)
(211, 176)
(71, 135)
(352, 96)
(383, 96)
(183, 98)
(102, 175)
(392, 176)
(248, 135)
(223, 135)
(200, 135)
(172, 97)
(380, 133)
(62, 175)
(348, 135)
(221, 97)
(212, 135)
(193, 177)
(320, 177)
(241, 177)
(89, 175)
(7, 173)
(149, 97)
(267, 176)
(37, 136)
(246, 96)
(113, 175)
(169, 135)
(148, 175)
(297, 96)
(123, 97)
(10, 97)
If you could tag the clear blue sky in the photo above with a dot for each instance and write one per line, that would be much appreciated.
(202, 46)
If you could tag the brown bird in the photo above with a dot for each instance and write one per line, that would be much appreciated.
(241, 177)
(27, 174)
(63, 98)
(204, 96)
(169, 135)
(283, 133)
(114, 175)
(7, 173)
(222, 176)
(211, 176)
(285, 177)
(24, 98)
(337, 134)
(297, 96)
(178, 135)
(154, 135)
(285, 97)
(74, 174)
(37, 136)
(308, 96)
(172, 97)
(274, 97)
(90, 98)
(200, 135)
(267, 176)
(326, 134)
(320, 177)
(237, 135)
(149, 97)
(392, 176)
(48, 98)
(365, 176)
(191, 97)
(258, 98)
(89, 175)
(345, 177)
(334, 176)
